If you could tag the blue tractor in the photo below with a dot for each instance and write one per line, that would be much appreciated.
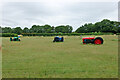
(58, 39)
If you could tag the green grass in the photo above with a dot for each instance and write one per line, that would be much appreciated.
(39, 57)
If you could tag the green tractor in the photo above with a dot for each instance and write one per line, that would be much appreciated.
(15, 39)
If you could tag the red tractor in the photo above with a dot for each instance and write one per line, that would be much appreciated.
(93, 40)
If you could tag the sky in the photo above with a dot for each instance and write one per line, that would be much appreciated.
(57, 12)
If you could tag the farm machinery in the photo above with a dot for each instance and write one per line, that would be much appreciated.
(93, 40)
(58, 39)
(15, 39)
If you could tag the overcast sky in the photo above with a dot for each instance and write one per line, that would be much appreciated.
(74, 13)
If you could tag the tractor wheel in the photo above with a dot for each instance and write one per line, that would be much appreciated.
(10, 39)
(62, 39)
(98, 40)
(53, 40)
(19, 39)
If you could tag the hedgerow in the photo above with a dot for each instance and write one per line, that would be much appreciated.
(8, 35)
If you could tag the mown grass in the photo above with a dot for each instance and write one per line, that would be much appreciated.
(39, 57)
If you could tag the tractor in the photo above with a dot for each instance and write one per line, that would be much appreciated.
(93, 40)
(58, 39)
(15, 39)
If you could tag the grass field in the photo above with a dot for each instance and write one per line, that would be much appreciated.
(39, 57)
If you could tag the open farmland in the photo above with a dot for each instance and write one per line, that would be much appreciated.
(39, 57)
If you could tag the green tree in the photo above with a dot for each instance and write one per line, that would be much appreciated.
(17, 30)
(104, 26)
(6, 30)
(80, 30)
(26, 30)
(36, 29)
(48, 28)
(63, 29)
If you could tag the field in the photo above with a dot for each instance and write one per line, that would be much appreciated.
(39, 57)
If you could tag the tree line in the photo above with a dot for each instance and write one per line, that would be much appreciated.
(39, 29)
(105, 26)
